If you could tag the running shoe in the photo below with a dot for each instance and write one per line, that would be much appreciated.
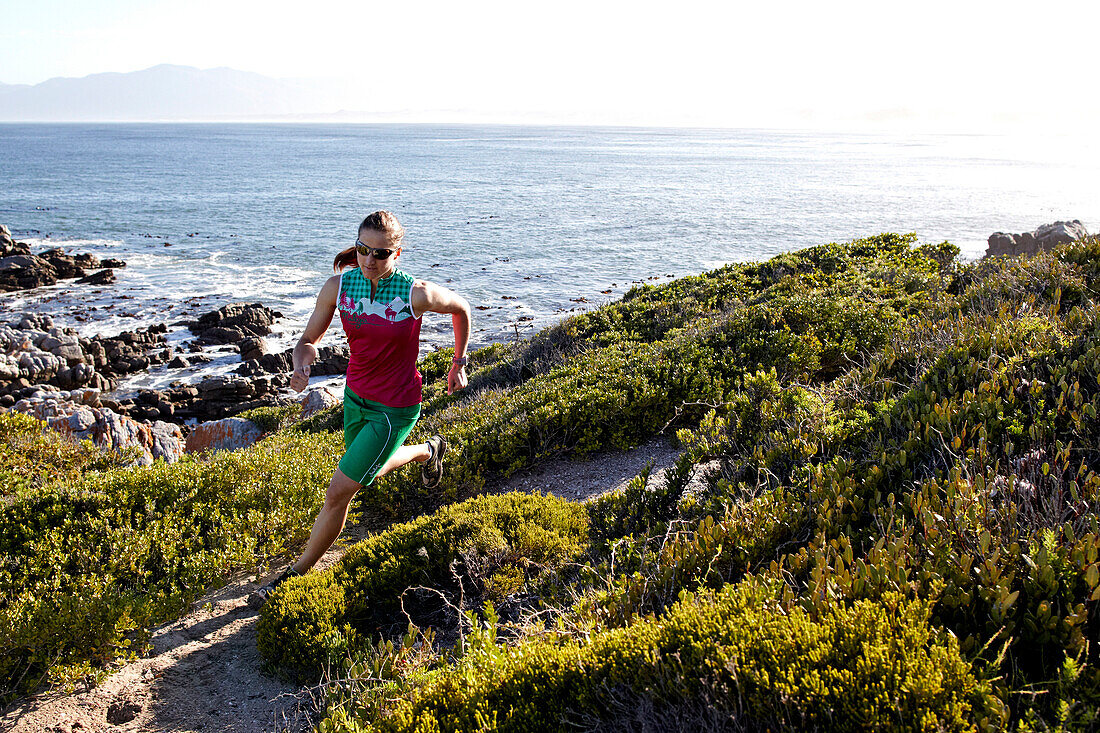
(432, 470)
(258, 597)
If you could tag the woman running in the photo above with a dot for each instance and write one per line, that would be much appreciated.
(380, 309)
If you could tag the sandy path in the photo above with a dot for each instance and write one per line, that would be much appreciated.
(204, 672)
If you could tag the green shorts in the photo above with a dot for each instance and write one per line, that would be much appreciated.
(372, 433)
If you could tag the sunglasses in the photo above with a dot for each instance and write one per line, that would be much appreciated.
(379, 254)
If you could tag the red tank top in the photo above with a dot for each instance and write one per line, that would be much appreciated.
(384, 336)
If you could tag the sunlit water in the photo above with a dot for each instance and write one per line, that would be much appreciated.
(526, 223)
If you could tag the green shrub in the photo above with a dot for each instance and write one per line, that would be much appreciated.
(274, 417)
(462, 552)
(844, 667)
(954, 464)
(88, 567)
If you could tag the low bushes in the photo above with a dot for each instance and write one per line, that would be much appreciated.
(940, 488)
(31, 457)
(885, 513)
(962, 459)
(742, 652)
(481, 549)
(89, 566)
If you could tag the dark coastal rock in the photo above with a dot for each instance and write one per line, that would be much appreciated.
(103, 277)
(221, 396)
(253, 348)
(222, 335)
(20, 270)
(147, 404)
(9, 248)
(234, 322)
(37, 357)
(88, 261)
(331, 360)
(130, 351)
(74, 376)
(64, 265)
(213, 398)
(266, 364)
(1045, 237)
(25, 271)
(183, 362)
(112, 262)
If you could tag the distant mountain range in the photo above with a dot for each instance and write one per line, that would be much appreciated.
(167, 92)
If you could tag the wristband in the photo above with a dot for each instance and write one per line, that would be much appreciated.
(460, 360)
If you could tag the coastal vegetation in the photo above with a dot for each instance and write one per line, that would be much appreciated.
(884, 516)
(94, 553)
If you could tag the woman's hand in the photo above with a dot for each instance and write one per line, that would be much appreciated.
(456, 378)
(300, 378)
(305, 351)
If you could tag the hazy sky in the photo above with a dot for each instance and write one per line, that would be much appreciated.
(963, 64)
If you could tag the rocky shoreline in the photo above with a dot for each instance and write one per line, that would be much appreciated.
(68, 380)
(21, 270)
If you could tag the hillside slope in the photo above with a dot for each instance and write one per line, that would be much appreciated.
(884, 516)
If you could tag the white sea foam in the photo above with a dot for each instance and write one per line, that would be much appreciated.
(43, 243)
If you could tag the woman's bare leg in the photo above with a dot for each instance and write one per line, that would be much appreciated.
(330, 520)
(405, 454)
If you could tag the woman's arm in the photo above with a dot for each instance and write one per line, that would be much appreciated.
(429, 297)
(305, 351)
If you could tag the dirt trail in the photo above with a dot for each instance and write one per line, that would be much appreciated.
(204, 671)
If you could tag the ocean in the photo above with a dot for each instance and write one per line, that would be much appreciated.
(527, 223)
